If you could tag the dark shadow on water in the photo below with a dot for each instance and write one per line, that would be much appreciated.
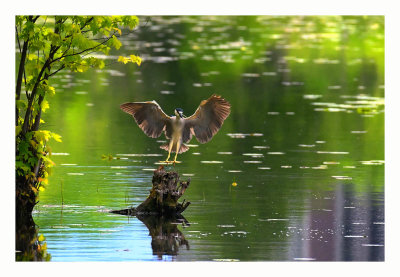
(166, 238)
(29, 246)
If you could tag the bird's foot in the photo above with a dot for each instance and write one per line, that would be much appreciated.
(168, 162)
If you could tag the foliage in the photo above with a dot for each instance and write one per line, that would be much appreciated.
(47, 45)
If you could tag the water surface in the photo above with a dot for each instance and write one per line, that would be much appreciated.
(304, 143)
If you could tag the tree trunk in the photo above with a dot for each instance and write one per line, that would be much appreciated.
(163, 197)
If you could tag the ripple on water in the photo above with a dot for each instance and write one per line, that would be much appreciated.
(226, 260)
(304, 259)
(252, 162)
(260, 147)
(253, 155)
(373, 162)
(140, 155)
(342, 177)
(333, 152)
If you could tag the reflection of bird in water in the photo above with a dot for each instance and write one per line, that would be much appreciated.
(203, 124)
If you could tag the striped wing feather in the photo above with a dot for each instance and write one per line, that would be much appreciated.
(207, 119)
(150, 117)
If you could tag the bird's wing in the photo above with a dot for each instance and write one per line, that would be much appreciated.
(207, 119)
(150, 117)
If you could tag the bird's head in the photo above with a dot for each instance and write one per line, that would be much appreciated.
(179, 112)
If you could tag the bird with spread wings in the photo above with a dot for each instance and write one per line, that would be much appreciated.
(203, 124)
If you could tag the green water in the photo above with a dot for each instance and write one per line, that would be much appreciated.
(304, 142)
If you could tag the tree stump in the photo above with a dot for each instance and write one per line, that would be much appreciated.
(163, 197)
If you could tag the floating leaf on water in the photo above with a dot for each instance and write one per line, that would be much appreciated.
(224, 153)
(211, 162)
(275, 153)
(264, 168)
(252, 162)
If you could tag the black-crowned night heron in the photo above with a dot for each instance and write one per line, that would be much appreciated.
(203, 124)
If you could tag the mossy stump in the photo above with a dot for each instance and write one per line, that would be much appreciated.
(163, 197)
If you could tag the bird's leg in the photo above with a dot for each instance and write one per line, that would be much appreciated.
(169, 150)
(178, 145)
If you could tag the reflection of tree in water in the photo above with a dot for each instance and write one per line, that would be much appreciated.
(29, 247)
(166, 238)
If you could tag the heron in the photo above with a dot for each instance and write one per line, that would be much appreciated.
(179, 129)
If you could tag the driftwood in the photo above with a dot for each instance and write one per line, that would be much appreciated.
(163, 197)
(161, 212)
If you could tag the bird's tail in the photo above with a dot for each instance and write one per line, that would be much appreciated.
(182, 149)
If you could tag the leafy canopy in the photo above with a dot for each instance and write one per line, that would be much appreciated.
(47, 45)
